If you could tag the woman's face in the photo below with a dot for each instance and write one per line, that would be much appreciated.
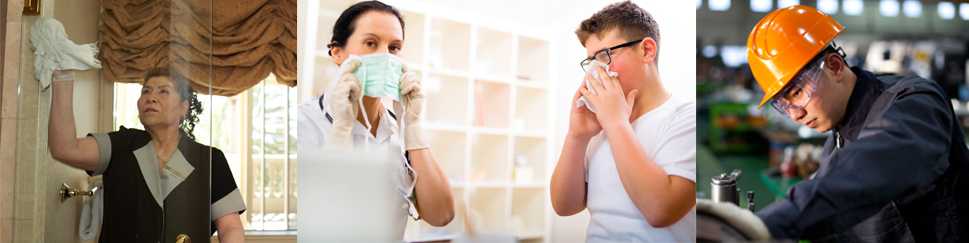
(375, 32)
(160, 103)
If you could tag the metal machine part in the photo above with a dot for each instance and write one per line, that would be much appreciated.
(724, 187)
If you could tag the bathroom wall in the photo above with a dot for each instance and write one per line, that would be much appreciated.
(40, 216)
(8, 114)
(80, 19)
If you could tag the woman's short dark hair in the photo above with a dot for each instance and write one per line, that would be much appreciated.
(185, 92)
(345, 24)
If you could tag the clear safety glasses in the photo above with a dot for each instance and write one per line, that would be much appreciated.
(796, 95)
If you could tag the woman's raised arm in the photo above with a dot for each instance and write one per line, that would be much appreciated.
(62, 138)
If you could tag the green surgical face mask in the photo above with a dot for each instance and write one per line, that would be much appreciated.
(379, 74)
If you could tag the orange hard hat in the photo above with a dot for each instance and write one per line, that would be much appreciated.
(784, 41)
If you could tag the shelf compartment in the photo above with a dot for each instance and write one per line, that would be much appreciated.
(491, 104)
(528, 212)
(529, 167)
(530, 110)
(488, 211)
(533, 60)
(493, 56)
(447, 99)
(449, 53)
(449, 150)
(489, 159)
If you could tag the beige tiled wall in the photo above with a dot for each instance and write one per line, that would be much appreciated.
(28, 219)
(8, 118)
(30, 210)
(8, 126)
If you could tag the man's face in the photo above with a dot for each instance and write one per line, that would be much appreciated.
(628, 62)
(830, 99)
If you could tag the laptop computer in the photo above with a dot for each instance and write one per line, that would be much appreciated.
(349, 196)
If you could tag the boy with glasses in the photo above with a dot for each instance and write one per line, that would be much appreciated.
(629, 155)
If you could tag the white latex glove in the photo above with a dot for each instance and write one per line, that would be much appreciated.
(341, 103)
(412, 98)
(62, 75)
(742, 219)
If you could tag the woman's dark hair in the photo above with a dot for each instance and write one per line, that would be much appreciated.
(345, 25)
(186, 93)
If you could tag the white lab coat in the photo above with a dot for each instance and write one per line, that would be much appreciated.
(313, 124)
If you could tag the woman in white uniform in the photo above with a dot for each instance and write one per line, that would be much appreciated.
(345, 118)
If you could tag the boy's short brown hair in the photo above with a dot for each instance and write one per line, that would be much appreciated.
(632, 22)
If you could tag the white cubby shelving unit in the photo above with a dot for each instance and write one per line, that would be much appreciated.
(486, 116)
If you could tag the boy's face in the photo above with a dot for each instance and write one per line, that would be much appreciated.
(629, 62)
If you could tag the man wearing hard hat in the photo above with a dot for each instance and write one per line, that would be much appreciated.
(895, 164)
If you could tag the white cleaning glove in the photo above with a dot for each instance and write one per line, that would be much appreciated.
(413, 99)
(53, 51)
(341, 101)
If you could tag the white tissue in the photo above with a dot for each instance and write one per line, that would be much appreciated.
(54, 51)
(582, 101)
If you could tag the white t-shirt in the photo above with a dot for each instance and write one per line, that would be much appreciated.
(668, 135)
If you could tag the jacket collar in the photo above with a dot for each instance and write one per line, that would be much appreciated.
(866, 90)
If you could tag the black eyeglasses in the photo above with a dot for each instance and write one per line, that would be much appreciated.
(605, 55)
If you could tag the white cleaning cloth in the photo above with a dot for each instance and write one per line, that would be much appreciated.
(53, 51)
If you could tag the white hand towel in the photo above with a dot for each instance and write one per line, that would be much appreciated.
(91, 215)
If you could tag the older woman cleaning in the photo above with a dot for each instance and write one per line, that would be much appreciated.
(160, 185)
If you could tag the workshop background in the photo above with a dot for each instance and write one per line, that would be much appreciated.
(925, 38)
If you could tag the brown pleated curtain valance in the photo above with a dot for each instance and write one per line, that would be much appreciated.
(234, 47)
